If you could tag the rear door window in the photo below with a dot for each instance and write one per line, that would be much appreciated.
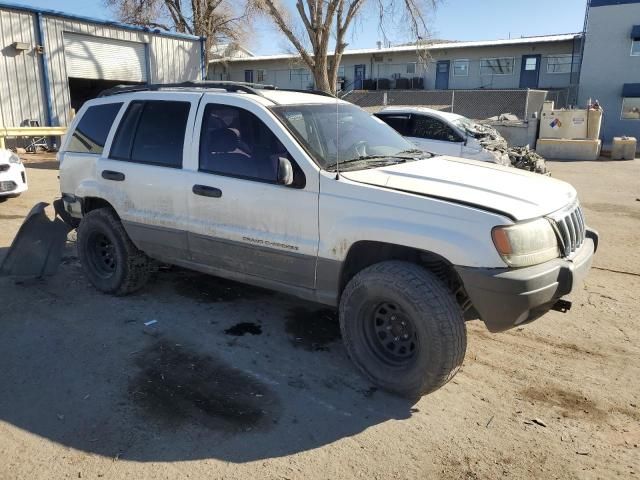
(92, 130)
(432, 129)
(400, 123)
(152, 132)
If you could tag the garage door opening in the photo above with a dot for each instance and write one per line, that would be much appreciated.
(96, 63)
(83, 89)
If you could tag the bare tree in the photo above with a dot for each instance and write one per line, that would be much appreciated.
(220, 21)
(327, 20)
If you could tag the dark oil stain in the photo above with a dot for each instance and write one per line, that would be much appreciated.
(243, 328)
(11, 217)
(313, 329)
(206, 288)
(179, 386)
(572, 404)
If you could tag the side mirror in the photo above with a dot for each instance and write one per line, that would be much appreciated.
(285, 171)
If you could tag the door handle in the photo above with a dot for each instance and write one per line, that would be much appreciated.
(206, 191)
(111, 175)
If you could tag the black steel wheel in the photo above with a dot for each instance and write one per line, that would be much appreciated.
(391, 333)
(102, 254)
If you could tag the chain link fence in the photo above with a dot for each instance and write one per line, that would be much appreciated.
(564, 98)
(477, 104)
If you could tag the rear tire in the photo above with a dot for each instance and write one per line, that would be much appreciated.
(403, 328)
(110, 260)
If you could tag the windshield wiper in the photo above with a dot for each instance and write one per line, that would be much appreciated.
(368, 161)
(416, 151)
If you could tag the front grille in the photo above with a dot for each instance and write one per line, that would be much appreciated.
(7, 186)
(570, 228)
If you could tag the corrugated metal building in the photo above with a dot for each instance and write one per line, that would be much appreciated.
(51, 62)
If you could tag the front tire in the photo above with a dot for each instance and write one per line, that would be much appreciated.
(110, 260)
(403, 328)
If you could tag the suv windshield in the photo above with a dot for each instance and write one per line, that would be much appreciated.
(345, 133)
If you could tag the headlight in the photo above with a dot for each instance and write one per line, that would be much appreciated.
(13, 158)
(525, 244)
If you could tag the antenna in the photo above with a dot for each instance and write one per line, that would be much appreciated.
(337, 141)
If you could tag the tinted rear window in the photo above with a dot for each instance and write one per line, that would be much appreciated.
(400, 123)
(92, 131)
(152, 132)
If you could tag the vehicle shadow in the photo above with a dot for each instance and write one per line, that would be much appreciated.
(222, 371)
(43, 164)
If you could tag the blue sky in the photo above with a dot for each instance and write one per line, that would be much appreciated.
(453, 20)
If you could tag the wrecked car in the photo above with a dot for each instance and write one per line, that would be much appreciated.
(311, 196)
(13, 176)
(444, 133)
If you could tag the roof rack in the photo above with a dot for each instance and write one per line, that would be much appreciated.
(152, 87)
(232, 87)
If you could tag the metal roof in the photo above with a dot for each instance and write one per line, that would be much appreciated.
(565, 37)
(71, 16)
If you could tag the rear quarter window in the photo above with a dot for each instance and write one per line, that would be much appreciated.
(91, 132)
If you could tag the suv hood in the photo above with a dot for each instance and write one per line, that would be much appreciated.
(517, 193)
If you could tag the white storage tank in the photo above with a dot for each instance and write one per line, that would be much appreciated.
(563, 124)
(624, 148)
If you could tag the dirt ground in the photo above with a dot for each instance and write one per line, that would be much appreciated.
(238, 382)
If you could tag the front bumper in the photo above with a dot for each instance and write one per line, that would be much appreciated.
(13, 179)
(507, 297)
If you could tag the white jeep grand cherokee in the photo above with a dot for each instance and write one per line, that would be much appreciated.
(312, 196)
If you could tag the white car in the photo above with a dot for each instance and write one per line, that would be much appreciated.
(312, 196)
(444, 133)
(13, 177)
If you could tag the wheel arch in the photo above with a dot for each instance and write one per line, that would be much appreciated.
(365, 253)
(93, 203)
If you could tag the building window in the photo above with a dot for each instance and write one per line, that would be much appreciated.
(261, 75)
(411, 68)
(559, 63)
(296, 73)
(461, 68)
(341, 71)
(630, 109)
(531, 64)
(635, 47)
(496, 66)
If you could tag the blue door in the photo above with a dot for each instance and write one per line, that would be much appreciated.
(442, 75)
(359, 73)
(530, 71)
(248, 76)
